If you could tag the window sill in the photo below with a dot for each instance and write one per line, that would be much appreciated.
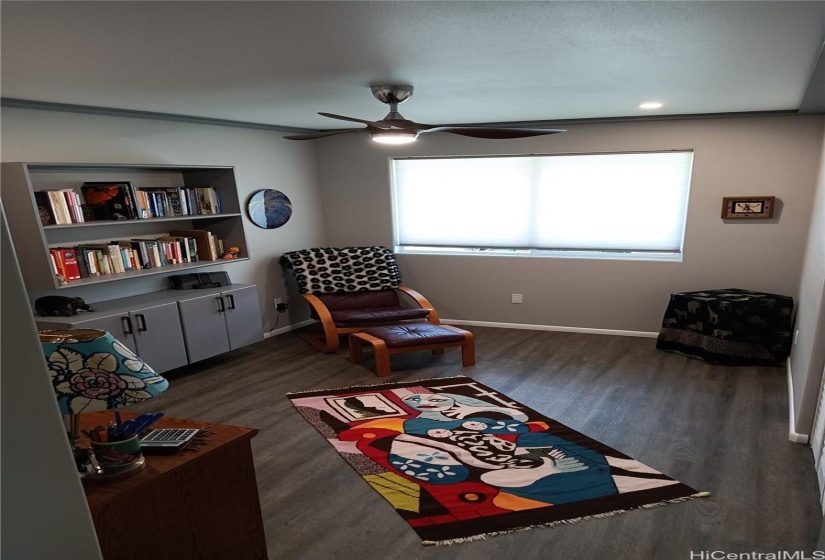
(587, 255)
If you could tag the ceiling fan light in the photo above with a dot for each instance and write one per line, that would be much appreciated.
(394, 137)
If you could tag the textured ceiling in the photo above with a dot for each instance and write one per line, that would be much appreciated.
(470, 62)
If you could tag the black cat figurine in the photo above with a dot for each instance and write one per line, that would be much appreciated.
(59, 306)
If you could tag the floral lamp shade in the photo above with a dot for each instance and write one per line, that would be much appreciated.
(91, 371)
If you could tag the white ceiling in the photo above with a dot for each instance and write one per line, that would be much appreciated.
(470, 62)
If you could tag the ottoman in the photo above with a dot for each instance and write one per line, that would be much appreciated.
(410, 337)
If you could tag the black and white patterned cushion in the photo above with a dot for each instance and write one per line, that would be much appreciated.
(326, 270)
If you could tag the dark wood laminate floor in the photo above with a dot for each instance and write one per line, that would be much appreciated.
(719, 429)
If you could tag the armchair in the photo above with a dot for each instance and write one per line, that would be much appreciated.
(353, 288)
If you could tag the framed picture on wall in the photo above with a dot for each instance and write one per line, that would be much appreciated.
(747, 207)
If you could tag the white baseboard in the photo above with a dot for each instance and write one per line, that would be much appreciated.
(792, 435)
(641, 334)
(282, 330)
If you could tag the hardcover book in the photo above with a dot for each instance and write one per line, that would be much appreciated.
(110, 201)
(44, 208)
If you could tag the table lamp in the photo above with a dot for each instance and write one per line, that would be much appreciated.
(92, 371)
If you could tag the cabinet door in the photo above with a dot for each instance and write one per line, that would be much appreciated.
(119, 326)
(159, 336)
(204, 326)
(243, 317)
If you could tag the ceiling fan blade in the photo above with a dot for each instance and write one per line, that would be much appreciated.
(353, 119)
(314, 135)
(495, 133)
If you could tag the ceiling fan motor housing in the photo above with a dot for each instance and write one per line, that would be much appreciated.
(392, 95)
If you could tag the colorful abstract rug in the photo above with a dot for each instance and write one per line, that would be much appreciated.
(460, 461)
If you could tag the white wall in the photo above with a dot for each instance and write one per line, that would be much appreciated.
(808, 356)
(776, 155)
(45, 515)
(262, 159)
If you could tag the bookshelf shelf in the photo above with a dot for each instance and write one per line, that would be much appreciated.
(33, 240)
(104, 223)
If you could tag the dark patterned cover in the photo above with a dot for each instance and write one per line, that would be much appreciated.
(729, 327)
(328, 270)
(459, 460)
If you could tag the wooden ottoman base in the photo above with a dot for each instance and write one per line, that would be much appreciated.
(423, 336)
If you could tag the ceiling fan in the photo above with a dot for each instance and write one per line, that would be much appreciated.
(395, 129)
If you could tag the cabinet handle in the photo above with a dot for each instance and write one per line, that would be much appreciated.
(126, 322)
(222, 304)
(231, 301)
(141, 321)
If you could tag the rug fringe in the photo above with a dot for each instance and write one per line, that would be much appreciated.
(483, 536)
(325, 390)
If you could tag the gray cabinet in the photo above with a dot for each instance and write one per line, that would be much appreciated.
(217, 322)
(153, 332)
(173, 328)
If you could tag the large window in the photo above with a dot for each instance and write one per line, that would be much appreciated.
(629, 205)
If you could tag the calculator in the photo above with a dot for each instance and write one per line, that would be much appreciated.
(168, 438)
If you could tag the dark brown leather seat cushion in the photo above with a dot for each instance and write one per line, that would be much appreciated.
(378, 315)
(413, 334)
(380, 306)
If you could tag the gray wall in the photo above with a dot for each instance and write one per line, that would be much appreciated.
(262, 159)
(808, 357)
(45, 515)
(733, 156)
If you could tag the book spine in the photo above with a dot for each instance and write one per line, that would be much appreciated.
(213, 246)
(70, 264)
(61, 210)
(218, 204)
(140, 245)
(184, 201)
(193, 248)
(143, 204)
(124, 258)
(154, 254)
(73, 200)
(44, 208)
(82, 262)
(194, 202)
(103, 262)
(54, 263)
(213, 201)
(59, 262)
(91, 260)
(131, 203)
(173, 196)
(114, 258)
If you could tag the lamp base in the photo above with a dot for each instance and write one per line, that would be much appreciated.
(109, 475)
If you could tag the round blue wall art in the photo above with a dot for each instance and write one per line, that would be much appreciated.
(269, 209)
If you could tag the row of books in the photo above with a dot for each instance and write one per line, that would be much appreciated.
(59, 207)
(122, 255)
(122, 201)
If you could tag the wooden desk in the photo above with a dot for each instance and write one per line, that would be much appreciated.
(191, 504)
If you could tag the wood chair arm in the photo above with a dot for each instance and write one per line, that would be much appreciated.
(423, 303)
(330, 343)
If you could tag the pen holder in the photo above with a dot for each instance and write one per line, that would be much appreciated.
(119, 457)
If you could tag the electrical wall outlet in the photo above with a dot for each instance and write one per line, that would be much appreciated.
(516, 298)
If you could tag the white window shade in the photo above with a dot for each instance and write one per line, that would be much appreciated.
(593, 202)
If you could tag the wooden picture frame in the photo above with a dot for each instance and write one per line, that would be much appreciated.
(747, 207)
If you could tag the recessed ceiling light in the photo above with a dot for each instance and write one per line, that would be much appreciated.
(651, 105)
